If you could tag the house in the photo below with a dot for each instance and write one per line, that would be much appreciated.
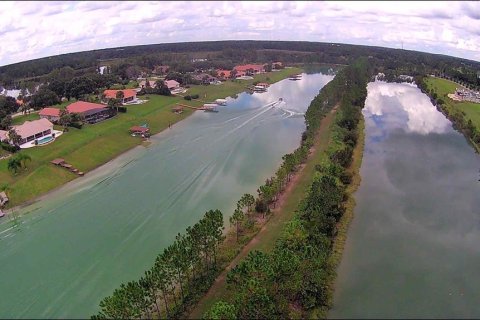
(31, 130)
(224, 74)
(151, 83)
(204, 78)
(51, 114)
(172, 84)
(250, 69)
(92, 112)
(161, 69)
(3, 135)
(129, 95)
(278, 63)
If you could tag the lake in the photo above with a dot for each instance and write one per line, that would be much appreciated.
(413, 245)
(70, 250)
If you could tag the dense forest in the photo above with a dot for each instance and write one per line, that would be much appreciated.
(225, 54)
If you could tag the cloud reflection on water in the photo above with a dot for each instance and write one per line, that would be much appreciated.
(422, 117)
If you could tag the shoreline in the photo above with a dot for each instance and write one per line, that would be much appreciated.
(346, 219)
(88, 174)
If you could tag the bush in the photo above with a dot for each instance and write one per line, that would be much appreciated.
(9, 148)
(122, 109)
(77, 125)
(187, 98)
(195, 96)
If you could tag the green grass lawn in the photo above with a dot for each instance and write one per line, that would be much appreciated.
(94, 145)
(443, 87)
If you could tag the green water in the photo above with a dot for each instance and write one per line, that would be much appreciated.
(413, 246)
(77, 246)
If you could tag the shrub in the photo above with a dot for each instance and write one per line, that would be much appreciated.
(77, 125)
(187, 98)
(9, 148)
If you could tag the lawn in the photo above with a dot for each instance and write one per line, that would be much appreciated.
(94, 145)
(443, 87)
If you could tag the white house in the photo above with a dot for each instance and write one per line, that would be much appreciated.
(172, 84)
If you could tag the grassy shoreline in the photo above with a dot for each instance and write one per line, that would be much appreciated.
(95, 145)
(470, 111)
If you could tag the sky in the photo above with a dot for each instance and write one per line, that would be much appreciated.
(31, 29)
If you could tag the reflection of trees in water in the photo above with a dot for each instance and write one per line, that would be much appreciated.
(321, 68)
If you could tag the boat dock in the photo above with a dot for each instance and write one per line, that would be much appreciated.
(63, 164)
(206, 107)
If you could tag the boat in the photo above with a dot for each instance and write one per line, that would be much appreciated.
(295, 77)
(221, 102)
(259, 89)
(210, 107)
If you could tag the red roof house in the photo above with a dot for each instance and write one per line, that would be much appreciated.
(52, 114)
(250, 68)
(92, 112)
(225, 74)
(128, 94)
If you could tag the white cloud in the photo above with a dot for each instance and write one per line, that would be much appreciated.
(32, 30)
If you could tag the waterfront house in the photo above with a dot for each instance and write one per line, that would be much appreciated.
(151, 83)
(172, 84)
(129, 95)
(224, 74)
(51, 114)
(3, 135)
(31, 130)
(92, 112)
(250, 69)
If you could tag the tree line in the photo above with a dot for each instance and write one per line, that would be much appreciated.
(224, 54)
(294, 278)
(177, 275)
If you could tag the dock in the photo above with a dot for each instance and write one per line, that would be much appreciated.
(61, 162)
(206, 107)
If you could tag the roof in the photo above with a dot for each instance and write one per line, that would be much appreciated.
(171, 83)
(50, 112)
(30, 128)
(245, 67)
(226, 73)
(57, 161)
(152, 83)
(82, 107)
(139, 129)
(3, 135)
(127, 93)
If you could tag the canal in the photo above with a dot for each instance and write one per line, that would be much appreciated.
(70, 250)
(413, 245)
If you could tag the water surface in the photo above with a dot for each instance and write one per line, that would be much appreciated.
(413, 246)
(105, 228)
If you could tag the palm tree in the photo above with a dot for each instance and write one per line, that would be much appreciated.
(23, 158)
(14, 137)
(120, 95)
(65, 119)
(13, 165)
